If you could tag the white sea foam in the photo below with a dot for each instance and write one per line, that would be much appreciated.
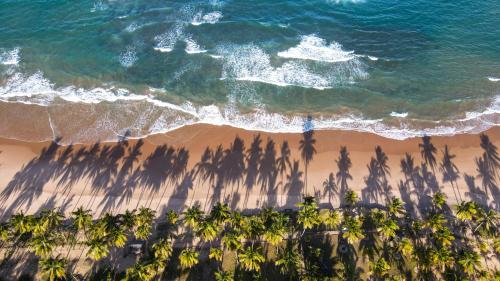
(9, 57)
(250, 63)
(372, 58)
(99, 6)
(493, 79)
(166, 42)
(192, 47)
(210, 18)
(128, 57)
(399, 114)
(314, 48)
(132, 27)
(36, 89)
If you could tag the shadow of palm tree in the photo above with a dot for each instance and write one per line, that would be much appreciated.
(233, 165)
(370, 194)
(475, 193)
(330, 188)
(28, 183)
(428, 152)
(282, 163)
(294, 185)
(490, 155)
(306, 146)
(450, 171)
(254, 155)
(343, 164)
(267, 170)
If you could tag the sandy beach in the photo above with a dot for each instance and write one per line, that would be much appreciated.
(160, 171)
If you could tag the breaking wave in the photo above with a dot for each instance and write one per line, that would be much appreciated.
(9, 57)
(314, 48)
(251, 63)
(210, 18)
(36, 89)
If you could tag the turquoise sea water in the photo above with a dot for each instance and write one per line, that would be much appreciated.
(399, 68)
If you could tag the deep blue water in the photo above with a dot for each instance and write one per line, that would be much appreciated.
(394, 67)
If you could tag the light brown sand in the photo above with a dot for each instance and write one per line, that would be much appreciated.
(39, 185)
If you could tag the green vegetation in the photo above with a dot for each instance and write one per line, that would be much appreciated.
(308, 244)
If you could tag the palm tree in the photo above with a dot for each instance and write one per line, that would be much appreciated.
(443, 236)
(192, 216)
(283, 161)
(435, 222)
(405, 247)
(43, 245)
(330, 187)
(144, 222)
(351, 198)
(380, 269)
(98, 249)
(251, 259)
(487, 222)
(308, 215)
(140, 272)
(466, 211)
(188, 258)
(439, 200)
(20, 223)
(331, 218)
(428, 151)
(388, 228)
(81, 218)
(224, 276)
(232, 240)
(306, 146)
(289, 261)
(53, 268)
(441, 258)
(352, 229)
(216, 254)
(395, 207)
(207, 230)
(275, 228)
(118, 237)
(220, 213)
(162, 249)
(469, 261)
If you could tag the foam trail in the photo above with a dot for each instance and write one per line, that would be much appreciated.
(493, 79)
(314, 48)
(250, 63)
(9, 57)
(166, 42)
(192, 47)
(399, 114)
(210, 18)
(128, 57)
(38, 90)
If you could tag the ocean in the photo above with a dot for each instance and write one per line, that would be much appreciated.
(396, 68)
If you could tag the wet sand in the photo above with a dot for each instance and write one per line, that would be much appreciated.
(33, 176)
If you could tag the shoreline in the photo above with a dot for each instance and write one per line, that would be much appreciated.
(108, 183)
(82, 123)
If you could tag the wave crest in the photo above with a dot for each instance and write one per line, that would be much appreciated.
(9, 57)
(251, 63)
(144, 114)
(314, 48)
